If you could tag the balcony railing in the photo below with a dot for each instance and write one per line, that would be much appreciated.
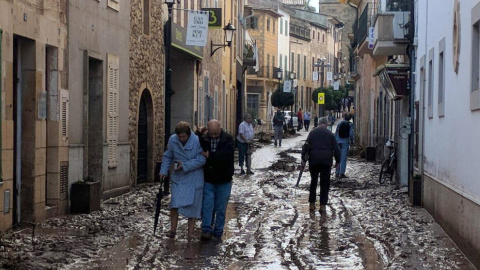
(362, 26)
(299, 32)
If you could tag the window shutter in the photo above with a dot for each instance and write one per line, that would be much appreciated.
(64, 114)
(112, 109)
(64, 180)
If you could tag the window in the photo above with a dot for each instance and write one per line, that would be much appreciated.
(298, 66)
(441, 79)
(292, 62)
(286, 66)
(281, 25)
(398, 5)
(323, 38)
(273, 62)
(430, 84)
(268, 65)
(286, 28)
(475, 76)
(280, 61)
(112, 109)
(268, 24)
(313, 34)
(304, 67)
(146, 17)
(252, 104)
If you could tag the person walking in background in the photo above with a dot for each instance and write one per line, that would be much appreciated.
(218, 172)
(315, 121)
(344, 135)
(318, 150)
(185, 153)
(299, 119)
(331, 120)
(245, 139)
(306, 120)
(278, 121)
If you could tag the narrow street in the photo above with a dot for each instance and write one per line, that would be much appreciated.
(269, 226)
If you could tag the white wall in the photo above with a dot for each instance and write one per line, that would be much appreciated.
(452, 144)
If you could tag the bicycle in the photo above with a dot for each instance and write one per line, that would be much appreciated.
(389, 165)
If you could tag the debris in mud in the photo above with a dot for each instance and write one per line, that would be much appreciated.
(285, 163)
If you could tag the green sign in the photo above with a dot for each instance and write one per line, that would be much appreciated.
(179, 37)
(215, 17)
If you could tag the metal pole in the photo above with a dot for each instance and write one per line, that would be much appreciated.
(321, 106)
(168, 76)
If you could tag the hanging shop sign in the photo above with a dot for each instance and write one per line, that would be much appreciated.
(197, 28)
(321, 98)
(329, 76)
(287, 86)
(371, 37)
(394, 79)
(214, 18)
(179, 37)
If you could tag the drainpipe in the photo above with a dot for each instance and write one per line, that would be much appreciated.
(412, 59)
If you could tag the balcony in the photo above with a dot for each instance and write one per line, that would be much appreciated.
(390, 34)
(361, 32)
(249, 53)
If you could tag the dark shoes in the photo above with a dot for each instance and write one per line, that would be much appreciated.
(205, 236)
(250, 172)
(275, 143)
(242, 172)
(342, 176)
(323, 208)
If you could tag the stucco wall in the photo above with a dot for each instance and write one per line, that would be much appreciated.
(451, 189)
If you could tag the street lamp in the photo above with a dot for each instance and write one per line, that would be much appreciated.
(279, 74)
(168, 72)
(229, 30)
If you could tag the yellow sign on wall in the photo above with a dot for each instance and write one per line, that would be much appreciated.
(321, 98)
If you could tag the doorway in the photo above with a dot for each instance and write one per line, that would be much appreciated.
(94, 131)
(24, 57)
(145, 139)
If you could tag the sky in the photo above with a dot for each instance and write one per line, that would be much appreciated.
(314, 3)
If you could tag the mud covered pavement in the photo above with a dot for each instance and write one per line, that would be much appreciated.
(268, 226)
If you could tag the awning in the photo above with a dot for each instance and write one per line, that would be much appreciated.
(394, 78)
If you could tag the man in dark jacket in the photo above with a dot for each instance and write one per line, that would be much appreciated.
(218, 172)
(319, 149)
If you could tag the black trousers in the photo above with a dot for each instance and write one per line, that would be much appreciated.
(324, 171)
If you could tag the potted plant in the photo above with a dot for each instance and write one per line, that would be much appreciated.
(85, 196)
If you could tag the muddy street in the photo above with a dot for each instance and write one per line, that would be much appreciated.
(268, 226)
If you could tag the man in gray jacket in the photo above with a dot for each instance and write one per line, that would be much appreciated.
(320, 148)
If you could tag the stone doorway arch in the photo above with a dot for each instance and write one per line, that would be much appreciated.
(145, 128)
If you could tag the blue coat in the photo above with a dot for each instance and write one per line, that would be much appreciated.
(187, 184)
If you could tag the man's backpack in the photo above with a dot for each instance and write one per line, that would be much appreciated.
(344, 129)
(278, 119)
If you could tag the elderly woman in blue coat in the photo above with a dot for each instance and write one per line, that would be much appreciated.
(185, 153)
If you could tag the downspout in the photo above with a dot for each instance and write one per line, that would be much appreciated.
(1, 172)
(412, 58)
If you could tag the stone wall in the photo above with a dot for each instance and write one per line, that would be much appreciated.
(147, 71)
